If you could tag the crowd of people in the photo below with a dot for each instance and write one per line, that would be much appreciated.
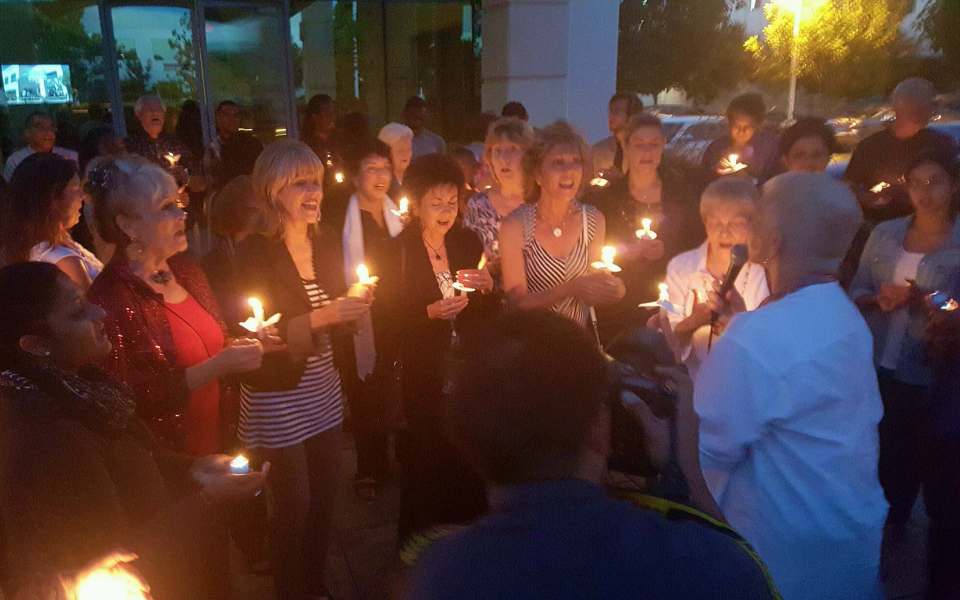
(457, 313)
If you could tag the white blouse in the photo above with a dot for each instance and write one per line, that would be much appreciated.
(688, 282)
(44, 252)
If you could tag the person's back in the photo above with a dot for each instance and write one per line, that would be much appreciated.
(569, 539)
(789, 407)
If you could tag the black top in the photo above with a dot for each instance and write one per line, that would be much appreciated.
(154, 150)
(883, 157)
(265, 270)
(424, 342)
(680, 228)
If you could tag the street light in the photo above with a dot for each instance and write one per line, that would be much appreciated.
(797, 7)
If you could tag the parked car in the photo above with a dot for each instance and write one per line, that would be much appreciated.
(688, 137)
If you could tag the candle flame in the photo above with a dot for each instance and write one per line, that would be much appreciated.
(404, 204)
(730, 164)
(239, 462)
(109, 584)
(338, 177)
(646, 233)
(664, 295)
(599, 182)
(172, 158)
(363, 273)
(483, 262)
(879, 187)
(607, 254)
(257, 307)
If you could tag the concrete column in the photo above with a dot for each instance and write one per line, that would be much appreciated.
(557, 57)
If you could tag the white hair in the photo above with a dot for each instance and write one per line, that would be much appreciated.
(915, 90)
(740, 192)
(392, 133)
(142, 100)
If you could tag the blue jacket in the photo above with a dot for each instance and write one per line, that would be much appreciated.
(568, 539)
(877, 265)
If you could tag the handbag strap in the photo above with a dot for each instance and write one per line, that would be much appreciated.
(586, 249)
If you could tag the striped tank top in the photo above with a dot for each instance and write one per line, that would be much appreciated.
(545, 271)
(282, 419)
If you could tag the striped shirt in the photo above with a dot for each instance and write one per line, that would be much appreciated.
(282, 419)
(544, 271)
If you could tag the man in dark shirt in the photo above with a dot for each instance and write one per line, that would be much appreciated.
(758, 149)
(878, 166)
(532, 412)
(319, 126)
(234, 152)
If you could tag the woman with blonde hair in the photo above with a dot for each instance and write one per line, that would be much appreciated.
(507, 140)
(291, 411)
(547, 246)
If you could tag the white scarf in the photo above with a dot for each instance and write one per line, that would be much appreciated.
(353, 257)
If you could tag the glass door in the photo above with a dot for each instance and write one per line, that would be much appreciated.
(246, 62)
(155, 53)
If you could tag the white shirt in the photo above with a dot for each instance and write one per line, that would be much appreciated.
(905, 270)
(44, 252)
(789, 407)
(17, 157)
(688, 282)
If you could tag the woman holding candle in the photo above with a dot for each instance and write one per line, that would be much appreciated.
(903, 260)
(168, 339)
(291, 410)
(81, 475)
(366, 230)
(506, 142)
(652, 193)
(727, 208)
(436, 254)
(45, 201)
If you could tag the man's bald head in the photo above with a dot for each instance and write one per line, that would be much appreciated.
(914, 101)
(806, 223)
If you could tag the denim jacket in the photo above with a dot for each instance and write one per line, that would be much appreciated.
(877, 265)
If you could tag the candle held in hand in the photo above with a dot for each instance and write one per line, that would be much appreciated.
(172, 158)
(109, 584)
(605, 263)
(363, 276)
(338, 177)
(404, 206)
(730, 165)
(646, 233)
(483, 262)
(256, 324)
(879, 187)
(240, 465)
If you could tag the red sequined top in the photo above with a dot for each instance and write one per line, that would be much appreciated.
(144, 354)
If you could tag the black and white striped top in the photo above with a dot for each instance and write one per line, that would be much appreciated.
(545, 272)
(282, 419)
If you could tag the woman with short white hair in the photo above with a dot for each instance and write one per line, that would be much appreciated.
(169, 340)
(400, 139)
(727, 208)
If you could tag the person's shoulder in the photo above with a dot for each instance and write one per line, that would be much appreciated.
(873, 141)
(685, 262)
(939, 140)
(892, 227)
(18, 156)
(256, 247)
(607, 143)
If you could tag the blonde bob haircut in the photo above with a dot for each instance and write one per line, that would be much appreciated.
(124, 186)
(281, 164)
(558, 133)
(740, 192)
(508, 129)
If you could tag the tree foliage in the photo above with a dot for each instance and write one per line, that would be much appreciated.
(846, 48)
(940, 21)
(687, 44)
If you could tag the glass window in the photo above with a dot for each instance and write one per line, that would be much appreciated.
(52, 60)
(372, 56)
(247, 66)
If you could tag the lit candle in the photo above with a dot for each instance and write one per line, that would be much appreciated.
(664, 295)
(646, 233)
(404, 207)
(663, 301)
(879, 187)
(483, 262)
(463, 289)
(363, 276)
(607, 255)
(730, 164)
(109, 584)
(240, 465)
(338, 177)
(172, 158)
(599, 182)
(256, 324)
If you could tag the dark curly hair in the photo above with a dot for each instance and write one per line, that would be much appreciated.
(28, 293)
(427, 172)
(33, 211)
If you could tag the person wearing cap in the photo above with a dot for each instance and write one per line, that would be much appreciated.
(789, 403)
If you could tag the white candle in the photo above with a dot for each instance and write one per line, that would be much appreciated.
(879, 187)
(109, 584)
(646, 233)
(172, 158)
(257, 324)
(240, 465)
(338, 177)
(363, 276)
(257, 309)
(664, 295)
(404, 206)
(731, 164)
(606, 263)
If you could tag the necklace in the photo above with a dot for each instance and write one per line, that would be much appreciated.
(161, 276)
(436, 251)
(557, 229)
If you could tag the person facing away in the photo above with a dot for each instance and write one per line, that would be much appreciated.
(41, 137)
(424, 140)
(542, 444)
(608, 153)
(789, 403)
(757, 149)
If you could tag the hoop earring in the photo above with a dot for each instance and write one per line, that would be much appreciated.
(134, 251)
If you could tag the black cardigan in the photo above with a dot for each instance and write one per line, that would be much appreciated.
(265, 270)
(425, 342)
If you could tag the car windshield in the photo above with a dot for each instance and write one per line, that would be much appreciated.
(671, 129)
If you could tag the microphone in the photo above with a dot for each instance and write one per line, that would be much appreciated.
(738, 257)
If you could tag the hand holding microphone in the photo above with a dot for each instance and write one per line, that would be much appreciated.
(723, 297)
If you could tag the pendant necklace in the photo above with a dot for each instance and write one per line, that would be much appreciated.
(558, 229)
(436, 251)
